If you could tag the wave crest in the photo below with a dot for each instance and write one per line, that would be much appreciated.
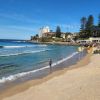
(19, 75)
(25, 52)
(11, 47)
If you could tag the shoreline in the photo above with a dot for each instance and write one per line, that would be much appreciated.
(56, 43)
(16, 79)
(24, 86)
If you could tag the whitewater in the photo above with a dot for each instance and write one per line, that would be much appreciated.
(24, 61)
(19, 75)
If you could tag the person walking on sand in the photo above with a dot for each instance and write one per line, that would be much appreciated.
(50, 64)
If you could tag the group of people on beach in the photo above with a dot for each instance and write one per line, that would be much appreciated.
(93, 48)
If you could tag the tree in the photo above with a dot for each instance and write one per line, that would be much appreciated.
(89, 26)
(99, 21)
(82, 33)
(37, 35)
(83, 23)
(86, 27)
(58, 32)
(90, 22)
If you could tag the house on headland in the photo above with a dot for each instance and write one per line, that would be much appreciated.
(43, 31)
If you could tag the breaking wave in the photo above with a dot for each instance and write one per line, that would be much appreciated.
(25, 52)
(23, 74)
(11, 47)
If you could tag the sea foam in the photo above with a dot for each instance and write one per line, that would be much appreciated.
(26, 46)
(23, 74)
(25, 52)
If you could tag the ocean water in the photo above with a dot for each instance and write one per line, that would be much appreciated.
(20, 59)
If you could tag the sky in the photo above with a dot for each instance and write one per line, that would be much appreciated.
(20, 19)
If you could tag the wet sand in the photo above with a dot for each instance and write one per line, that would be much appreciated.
(78, 82)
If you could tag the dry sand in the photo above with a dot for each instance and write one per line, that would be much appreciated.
(81, 83)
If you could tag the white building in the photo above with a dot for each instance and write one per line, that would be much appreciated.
(94, 40)
(90, 40)
(63, 35)
(43, 30)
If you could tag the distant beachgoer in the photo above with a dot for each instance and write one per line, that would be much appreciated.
(50, 64)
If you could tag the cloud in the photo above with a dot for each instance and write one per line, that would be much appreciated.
(70, 26)
(20, 28)
(18, 17)
(73, 27)
(17, 32)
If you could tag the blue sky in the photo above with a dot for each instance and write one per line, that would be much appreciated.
(19, 19)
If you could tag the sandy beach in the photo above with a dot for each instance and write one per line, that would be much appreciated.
(79, 82)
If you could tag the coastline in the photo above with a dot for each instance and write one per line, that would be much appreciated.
(57, 43)
(24, 86)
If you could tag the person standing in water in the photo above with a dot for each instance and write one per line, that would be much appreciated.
(50, 64)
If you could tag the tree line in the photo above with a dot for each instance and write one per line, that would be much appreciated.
(88, 28)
